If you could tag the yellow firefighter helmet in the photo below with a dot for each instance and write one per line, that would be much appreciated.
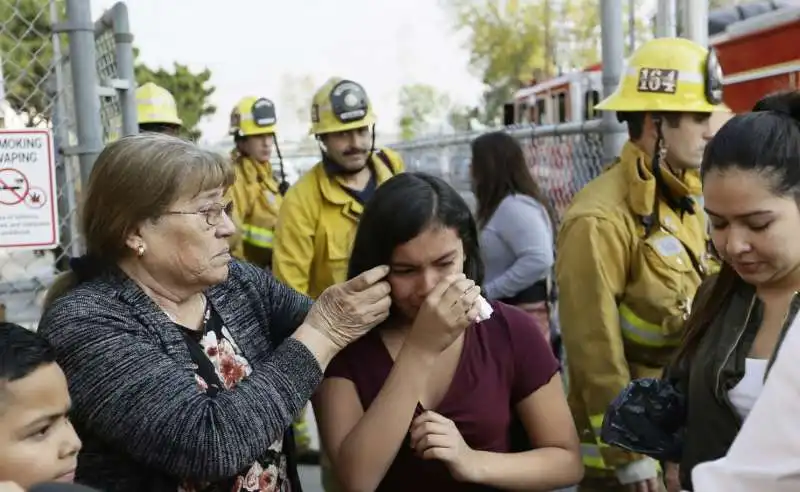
(669, 74)
(340, 105)
(154, 104)
(253, 116)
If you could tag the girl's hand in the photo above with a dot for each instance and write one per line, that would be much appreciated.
(434, 437)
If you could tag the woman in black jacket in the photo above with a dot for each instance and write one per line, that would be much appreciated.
(751, 187)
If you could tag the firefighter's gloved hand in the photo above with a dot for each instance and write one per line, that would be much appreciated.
(345, 312)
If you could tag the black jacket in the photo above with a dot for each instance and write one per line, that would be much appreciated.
(136, 406)
(717, 366)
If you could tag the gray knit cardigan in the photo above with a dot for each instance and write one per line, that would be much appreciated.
(136, 404)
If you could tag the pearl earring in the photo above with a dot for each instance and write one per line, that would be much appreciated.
(140, 250)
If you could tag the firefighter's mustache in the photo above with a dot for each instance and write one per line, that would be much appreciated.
(350, 152)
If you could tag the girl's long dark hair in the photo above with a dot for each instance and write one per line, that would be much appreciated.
(401, 209)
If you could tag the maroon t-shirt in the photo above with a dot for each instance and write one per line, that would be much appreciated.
(504, 359)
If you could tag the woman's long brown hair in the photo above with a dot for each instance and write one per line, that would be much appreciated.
(498, 170)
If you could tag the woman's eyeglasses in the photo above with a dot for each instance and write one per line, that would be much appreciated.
(212, 213)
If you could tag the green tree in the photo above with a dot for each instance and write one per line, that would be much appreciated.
(512, 42)
(26, 50)
(578, 31)
(191, 90)
(505, 45)
(420, 105)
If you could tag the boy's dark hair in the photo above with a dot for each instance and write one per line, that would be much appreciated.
(22, 352)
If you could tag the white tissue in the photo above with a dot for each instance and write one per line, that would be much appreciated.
(485, 310)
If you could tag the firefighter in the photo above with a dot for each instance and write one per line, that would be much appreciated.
(256, 194)
(156, 110)
(632, 248)
(319, 215)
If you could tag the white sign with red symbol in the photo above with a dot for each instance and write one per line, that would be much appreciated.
(28, 213)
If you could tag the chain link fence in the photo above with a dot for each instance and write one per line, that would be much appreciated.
(562, 158)
(47, 83)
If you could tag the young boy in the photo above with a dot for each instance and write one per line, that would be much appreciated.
(37, 441)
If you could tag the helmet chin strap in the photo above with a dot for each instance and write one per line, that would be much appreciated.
(372, 143)
(680, 204)
(237, 154)
(283, 187)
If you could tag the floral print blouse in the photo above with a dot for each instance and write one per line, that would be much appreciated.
(219, 366)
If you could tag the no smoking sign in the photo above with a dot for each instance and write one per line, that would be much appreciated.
(28, 214)
(14, 187)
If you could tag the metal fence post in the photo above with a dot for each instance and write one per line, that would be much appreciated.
(695, 21)
(631, 26)
(613, 52)
(117, 19)
(666, 25)
(64, 178)
(80, 30)
(2, 96)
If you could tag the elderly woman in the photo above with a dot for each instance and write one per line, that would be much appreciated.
(186, 368)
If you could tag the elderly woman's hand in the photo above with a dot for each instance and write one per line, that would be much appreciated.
(344, 312)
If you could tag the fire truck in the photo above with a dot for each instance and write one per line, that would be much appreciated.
(758, 46)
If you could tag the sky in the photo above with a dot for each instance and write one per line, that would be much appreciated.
(250, 45)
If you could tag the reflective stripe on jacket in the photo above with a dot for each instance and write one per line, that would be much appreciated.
(256, 202)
